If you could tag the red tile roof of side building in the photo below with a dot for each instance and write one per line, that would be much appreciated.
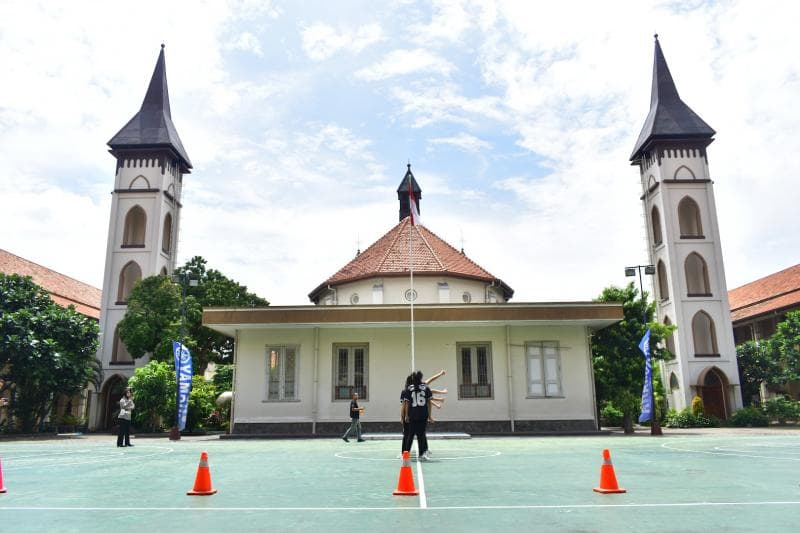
(778, 291)
(389, 256)
(62, 289)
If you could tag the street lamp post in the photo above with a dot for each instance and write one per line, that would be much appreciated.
(184, 280)
(655, 427)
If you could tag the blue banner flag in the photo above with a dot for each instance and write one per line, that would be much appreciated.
(183, 371)
(647, 390)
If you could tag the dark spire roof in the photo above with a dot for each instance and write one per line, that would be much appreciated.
(152, 126)
(669, 117)
(402, 193)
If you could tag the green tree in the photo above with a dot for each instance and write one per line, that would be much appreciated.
(45, 350)
(153, 318)
(152, 386)
(158, 313)
(757, 363)
(213, 289)
(618, 362)
(785, 345)
(223, 378)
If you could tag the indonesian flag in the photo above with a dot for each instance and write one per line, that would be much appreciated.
(412, 203)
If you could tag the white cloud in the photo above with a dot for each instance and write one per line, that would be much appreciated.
(463, 141)
(291, 156)
(321, 41)
(246, 42)
(402, 62)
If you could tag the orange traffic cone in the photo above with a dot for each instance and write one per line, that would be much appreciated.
(608, 480)
(2, 487)
(202, 481)
(405, 485)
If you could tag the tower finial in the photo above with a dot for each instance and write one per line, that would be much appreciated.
(162, 46)
(408, 165)
(655, 36)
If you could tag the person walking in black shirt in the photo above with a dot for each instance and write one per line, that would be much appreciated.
(355, 420)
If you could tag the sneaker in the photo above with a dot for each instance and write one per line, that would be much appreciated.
(361, 440)
(345, 439)
(427, 455)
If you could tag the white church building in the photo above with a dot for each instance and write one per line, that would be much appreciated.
(511, 367)
(142, 230)
(684, 246)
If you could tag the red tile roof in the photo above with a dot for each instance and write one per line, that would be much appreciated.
(779, 291)
(389, 256)
(63, 290)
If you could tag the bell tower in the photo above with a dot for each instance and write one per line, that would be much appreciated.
(143, 227)
(684, 245)
(402, 193)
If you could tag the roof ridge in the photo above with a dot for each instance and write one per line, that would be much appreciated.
(462, 254)
(399, 232)
(430, 248)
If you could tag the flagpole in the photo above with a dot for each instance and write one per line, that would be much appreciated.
(411, 276)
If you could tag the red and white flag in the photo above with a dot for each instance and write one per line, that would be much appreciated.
(412, 204)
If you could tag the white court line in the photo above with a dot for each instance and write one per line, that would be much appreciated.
(423, 500)
(107, 457)
(443, 508)
(749, 455)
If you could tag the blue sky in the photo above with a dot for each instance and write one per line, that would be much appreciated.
(299, 117)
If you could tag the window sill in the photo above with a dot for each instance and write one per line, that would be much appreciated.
(707, 355)
(545, 397)
(132, 246)
(693, 236)
(477, 398)
(699, 295)
(120, 303)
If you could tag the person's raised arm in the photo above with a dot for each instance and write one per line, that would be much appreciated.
(436, 376)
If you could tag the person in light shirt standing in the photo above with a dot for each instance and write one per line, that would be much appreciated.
(126, 406)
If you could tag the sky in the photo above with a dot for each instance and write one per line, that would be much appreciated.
(518, 119)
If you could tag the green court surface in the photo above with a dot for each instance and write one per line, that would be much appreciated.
(717, 482)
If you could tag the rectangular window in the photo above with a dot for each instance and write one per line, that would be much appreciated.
(350, 371)
(544, 369)
(282, 367)
(444, 293)
(377, 294)
(474, 371)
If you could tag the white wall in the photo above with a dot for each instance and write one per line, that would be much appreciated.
(389, 364)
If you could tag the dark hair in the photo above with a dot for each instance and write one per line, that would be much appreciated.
(417, 377)
(409, 379)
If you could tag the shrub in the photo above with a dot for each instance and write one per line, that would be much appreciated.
(697, 406)
(610, 415)
(781, 409)
(687, 419)
(748, 417)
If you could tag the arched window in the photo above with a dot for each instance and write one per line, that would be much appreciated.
(674, 384)
(663, 284)
(135, 224)
(119, 353)
(166, 235)
(655, 221)
(670, 340)
(128, 277)
(684, 173)
(689, 219)
(696, 276)
(704, 334)
(163, 271)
